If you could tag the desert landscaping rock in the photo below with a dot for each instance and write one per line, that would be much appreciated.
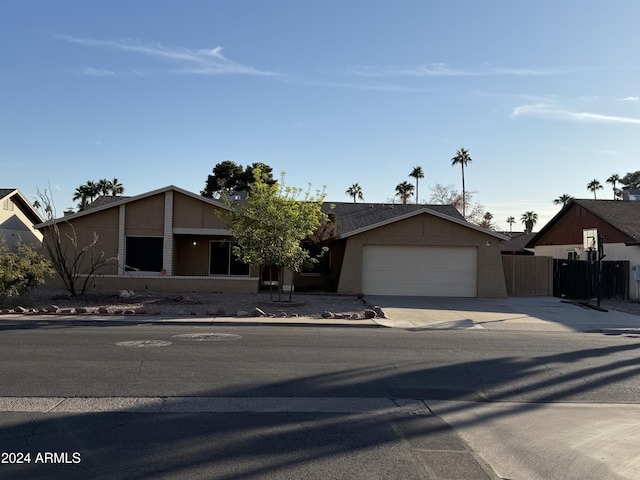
(212, 304)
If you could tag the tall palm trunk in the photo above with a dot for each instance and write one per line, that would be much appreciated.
(464, 195)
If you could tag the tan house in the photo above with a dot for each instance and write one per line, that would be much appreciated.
(17, 218)
(171, 239)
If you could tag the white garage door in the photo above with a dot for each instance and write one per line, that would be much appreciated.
(428, 271)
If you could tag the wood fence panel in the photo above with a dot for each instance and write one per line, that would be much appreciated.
(528, 274)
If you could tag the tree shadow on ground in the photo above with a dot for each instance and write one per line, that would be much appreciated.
(137, 443)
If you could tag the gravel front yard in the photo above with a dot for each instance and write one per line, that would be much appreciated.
(191, 304)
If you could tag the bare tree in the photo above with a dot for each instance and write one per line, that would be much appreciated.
(77, 262)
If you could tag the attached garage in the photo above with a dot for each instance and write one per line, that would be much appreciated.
(420, 270)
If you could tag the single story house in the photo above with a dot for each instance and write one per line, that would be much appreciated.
(17, 218)
(170, 239)
(618, 222)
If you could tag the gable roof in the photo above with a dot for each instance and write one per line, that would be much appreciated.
(15, 196)
(111, 201)
(620, 214)
(355, 218)
(517, 242)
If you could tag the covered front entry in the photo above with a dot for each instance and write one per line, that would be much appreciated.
(420, 270)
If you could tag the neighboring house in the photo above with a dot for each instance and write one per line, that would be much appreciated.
(516, 243)
(17, 218)
(618, 222)
(170, 239)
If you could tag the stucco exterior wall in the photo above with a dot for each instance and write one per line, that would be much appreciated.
(193, 213)
(145, 217)
(105, 225)
(426, 230)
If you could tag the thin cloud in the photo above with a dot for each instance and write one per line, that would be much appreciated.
(380, 87)
(95, 72)
(200, 61)
(554, 112)
(443, 70)
(629, 99)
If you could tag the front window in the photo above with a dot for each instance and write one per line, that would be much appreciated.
(144, 254)
(224, 262)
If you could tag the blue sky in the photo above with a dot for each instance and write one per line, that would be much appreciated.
(544, 95)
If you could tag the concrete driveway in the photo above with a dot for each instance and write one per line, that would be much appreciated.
(531, 441)
(512, 313)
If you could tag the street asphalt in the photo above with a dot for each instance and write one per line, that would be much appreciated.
(522, 441)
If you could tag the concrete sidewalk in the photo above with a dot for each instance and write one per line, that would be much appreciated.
(512, 313)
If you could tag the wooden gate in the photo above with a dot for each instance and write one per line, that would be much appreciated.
(577, 279)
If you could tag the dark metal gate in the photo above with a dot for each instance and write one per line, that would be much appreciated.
(576, 279)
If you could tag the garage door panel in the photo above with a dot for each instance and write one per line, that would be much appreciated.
(428, 271)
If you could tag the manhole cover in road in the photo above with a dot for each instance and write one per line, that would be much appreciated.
(144, 343)
(208, 337)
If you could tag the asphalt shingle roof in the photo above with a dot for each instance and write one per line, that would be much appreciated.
(623, 215)
(351, 217)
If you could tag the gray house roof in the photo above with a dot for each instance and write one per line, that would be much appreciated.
(354, 218)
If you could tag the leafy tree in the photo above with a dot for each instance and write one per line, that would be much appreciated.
(511, 221)
(355, 191)
(229, 177)
(448, 195)
(21, 269)
(404, 190)
(529, 219)
(77, 261)
(462, 158)
(563, 199)
(613, 180)
(418, 174)
(631, 181)
(270, 226)
(594, 185)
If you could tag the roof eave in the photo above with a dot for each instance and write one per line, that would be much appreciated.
(419, 212)
(125, 200)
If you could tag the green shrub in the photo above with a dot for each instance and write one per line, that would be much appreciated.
(21, 269)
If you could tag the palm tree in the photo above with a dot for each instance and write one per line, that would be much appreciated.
(486, 221)
(594, 185)
(404, 190)
(563, 199)
(613, 179)
(462, 158)
(116, 187)
(104, 186)
(529, 219)
(355, 191)
(417, 173)
(511, 221)
(93, 189)
(81, 194)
